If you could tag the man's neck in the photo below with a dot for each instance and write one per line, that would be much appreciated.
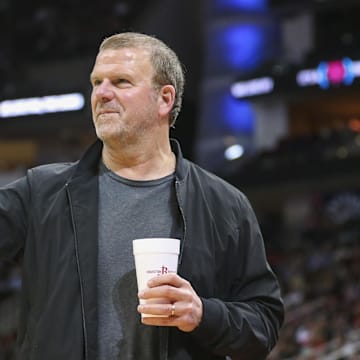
(140, 163)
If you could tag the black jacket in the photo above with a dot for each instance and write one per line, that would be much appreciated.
(49, 217)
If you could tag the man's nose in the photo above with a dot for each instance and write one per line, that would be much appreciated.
(104, 91)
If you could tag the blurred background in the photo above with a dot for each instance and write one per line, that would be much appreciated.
(272, 104)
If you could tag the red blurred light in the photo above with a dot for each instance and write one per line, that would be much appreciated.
(354, 125)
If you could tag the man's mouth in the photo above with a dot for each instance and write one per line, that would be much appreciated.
(107, 111)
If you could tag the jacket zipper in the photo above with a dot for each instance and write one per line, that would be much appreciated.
(164, 339)
(177, 184)
(79, 271)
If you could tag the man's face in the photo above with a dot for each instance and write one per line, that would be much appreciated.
(123, 99)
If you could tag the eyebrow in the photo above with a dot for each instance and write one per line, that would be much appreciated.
(92, 77)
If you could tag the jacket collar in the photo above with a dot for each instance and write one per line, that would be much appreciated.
(180, 162)
(89, 162)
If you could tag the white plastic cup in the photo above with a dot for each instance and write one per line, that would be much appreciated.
(154, 257)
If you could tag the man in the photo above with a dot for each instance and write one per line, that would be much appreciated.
(73, 225)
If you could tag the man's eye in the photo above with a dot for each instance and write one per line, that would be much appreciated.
(122, 81)
(96, 82)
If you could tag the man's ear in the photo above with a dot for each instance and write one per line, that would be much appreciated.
(166, 99)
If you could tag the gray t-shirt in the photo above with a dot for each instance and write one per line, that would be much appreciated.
(128, 210)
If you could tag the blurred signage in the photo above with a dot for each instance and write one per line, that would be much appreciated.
(42, 105)
(330, 73)
(253, 87)
(327, 75)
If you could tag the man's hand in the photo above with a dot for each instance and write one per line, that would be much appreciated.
(183, 308)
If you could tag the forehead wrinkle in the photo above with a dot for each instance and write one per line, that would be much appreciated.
(129, 55)
(123, 61)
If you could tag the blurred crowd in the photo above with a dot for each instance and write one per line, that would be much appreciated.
(329, 150)
(322, 297)
(10, 284)
(318, 263)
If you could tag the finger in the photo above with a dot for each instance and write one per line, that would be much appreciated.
(160, 321)
(185, 322)
(168, 292)
(166, 310)
(171, 279)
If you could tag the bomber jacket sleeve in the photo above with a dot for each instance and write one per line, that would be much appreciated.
(245, 324)
(14, 204)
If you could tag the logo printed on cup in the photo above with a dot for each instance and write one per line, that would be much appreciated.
(164, 270)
